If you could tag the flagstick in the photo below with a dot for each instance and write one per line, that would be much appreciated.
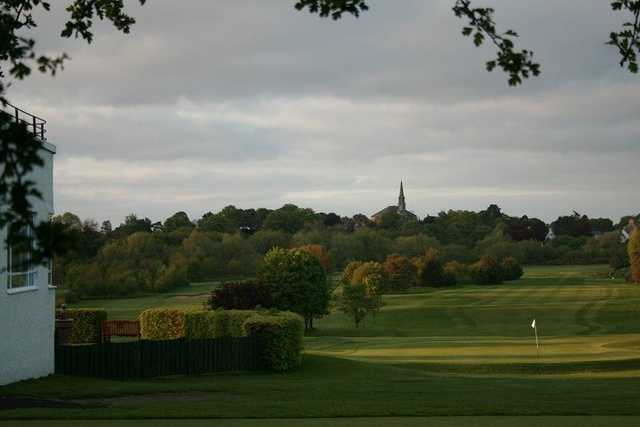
(537, 344)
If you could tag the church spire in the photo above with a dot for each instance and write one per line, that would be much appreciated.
(401, 203)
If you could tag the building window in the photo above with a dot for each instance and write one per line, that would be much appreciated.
(50, 272)
(21, 271)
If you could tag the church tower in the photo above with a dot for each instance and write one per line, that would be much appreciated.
(402, 207)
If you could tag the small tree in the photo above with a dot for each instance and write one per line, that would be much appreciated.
(361, 292)
(297, 283)
(373, 276)
(357, 301)
(633, 247)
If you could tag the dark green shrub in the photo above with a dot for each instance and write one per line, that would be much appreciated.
(281, 335)
(240, 296)
(431, 272)
(511, 269)
(87, 324)
(487, 271)
(162, 324)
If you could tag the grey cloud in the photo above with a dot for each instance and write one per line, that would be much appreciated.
(252, 103)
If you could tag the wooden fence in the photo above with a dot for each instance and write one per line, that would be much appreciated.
(145, 359)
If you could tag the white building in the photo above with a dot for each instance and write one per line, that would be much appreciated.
(27, 297)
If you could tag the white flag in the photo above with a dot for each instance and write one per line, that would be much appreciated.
(533, 324)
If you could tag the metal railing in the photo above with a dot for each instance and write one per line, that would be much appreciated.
(34, 124)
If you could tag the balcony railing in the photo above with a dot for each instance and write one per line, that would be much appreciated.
(35, 124)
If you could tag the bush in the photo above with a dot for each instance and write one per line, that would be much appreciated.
(241, 296)
(200, 325)
(197, 324)
(487, 271)
(87, 324)
(162, 324)
(511, 269)
(633, 248)
(401, 271)
(431, 272)
(235, 320)
(459, 271)
(281, 336)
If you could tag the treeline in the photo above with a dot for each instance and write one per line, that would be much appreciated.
(140, 256)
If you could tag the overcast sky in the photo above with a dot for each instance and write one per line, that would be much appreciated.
(254, 104)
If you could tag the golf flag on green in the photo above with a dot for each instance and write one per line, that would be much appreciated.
(533, 325)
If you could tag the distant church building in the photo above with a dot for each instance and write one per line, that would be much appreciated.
(400, 209)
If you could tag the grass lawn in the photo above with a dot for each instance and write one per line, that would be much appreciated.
(191, 297)
(561, 421)
(463, 351)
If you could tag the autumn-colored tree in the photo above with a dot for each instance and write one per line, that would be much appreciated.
(373, 276)
(360, 294)
(321, 253)
(401, 271)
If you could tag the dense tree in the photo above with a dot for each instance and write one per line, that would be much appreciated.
(331, 219)
(601, 225)
(297, 283)
(106, 228)
(402, 273)
(526, 228)
(288, 218)
(633, 247)
(177, 221)
(265, 240)
(132, 224)
(321, 254)
(575, 225)
(431, 271)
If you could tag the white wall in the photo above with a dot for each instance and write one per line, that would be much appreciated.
(27, 315)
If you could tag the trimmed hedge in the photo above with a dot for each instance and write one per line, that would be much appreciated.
(162, 324)
(87, 324)
(281, 335)
(214, 324)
